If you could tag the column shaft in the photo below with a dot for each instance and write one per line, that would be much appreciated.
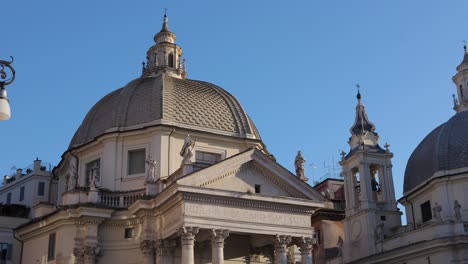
(281, 249)
(217, 245)
(188, 241)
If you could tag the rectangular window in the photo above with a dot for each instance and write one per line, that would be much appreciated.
(51, 248)
(317, 234)
(136, 161)
(258, 188)
(129, 232)
(21, 198)
(207, 158)
(93, 166)
(8, 198)
(41, 189)
(5, 252)
(426, 211)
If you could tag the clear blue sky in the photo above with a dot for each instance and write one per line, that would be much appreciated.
(292, 64)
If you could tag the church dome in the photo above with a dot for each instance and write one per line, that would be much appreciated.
(445, 148)
(164, 96)
(166, 100)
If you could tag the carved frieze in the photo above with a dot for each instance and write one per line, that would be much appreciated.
(247, 215)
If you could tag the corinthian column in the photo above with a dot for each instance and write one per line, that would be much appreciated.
(147, 251)
(217, 245)
(187, 237)
(281, 249)
(305, 246)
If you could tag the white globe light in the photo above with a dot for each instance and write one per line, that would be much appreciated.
(5, 112)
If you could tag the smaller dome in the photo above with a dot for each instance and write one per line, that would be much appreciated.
(445, 148)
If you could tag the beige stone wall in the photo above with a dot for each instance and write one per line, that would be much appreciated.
(35, 249)
(164, 146)
(7, 235)
(444, 193)
(329, 233)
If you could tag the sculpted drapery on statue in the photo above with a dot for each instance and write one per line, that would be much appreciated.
(94, 178)
(151, 177)
(437, 209)
(299, 162)
(187, 150)
(73, 180)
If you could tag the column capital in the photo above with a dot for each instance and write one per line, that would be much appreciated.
(218, 236)
(79, 254)
(147, 247)
(187, 234)
(90, 254)
(165, 247)
(282, 242)
(306, 244)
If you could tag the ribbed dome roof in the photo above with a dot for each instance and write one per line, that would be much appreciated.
(165, 100)
(445, 148)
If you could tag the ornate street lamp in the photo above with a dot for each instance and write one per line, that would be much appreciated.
(5, 79)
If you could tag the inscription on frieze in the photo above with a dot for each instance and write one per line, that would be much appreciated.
(247, 215)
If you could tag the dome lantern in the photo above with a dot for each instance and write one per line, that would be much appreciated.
(165, 56)
(461, 81)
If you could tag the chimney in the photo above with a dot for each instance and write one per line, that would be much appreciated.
(19, 173)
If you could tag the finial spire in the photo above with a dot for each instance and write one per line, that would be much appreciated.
(464, 46)
(358, 96)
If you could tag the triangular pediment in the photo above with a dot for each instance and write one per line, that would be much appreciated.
(243, 172)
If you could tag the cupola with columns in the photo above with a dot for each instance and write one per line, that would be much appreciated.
(371, 208)
(164, 56)
(461, 81)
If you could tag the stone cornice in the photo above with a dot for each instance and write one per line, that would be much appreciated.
(121, 222)
(65, 216)
(244, 203)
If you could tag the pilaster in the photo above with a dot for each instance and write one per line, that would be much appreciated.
(147, 251)
(165, 251)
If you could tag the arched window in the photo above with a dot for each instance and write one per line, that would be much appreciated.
(461, 92)
(170, 59)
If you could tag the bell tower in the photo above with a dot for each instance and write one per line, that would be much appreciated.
(371, 207)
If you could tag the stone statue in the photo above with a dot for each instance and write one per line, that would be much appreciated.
(151, 169)
(339, 244)
(457, 209)
(94, 178)
(379, 232)
(299, 162)
(186, 151)
(436, 211)
(73, 178)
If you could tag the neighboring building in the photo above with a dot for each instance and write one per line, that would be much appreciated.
(327, 222)
(172, 170)
(435, 192)
(19, 194)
